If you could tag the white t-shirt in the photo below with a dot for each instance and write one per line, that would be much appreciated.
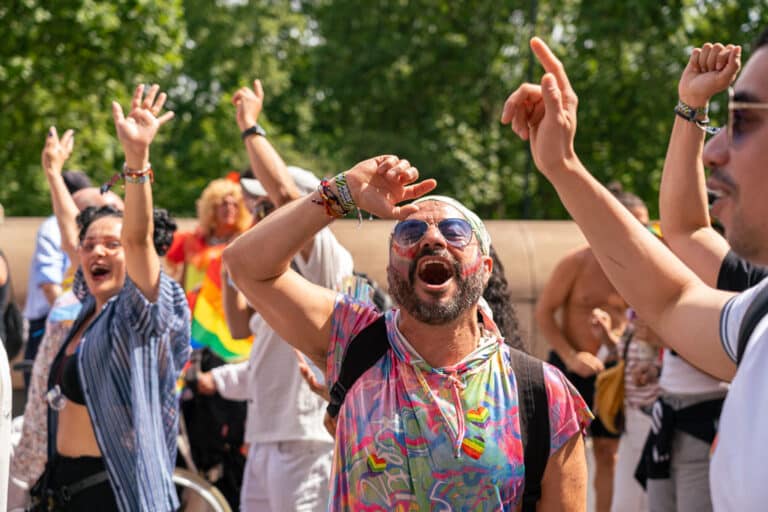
(678, 377)
(738, 473)
(281, 407)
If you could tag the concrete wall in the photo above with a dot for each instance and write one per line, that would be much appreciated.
(529, 251)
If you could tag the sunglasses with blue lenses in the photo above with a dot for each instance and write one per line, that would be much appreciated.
(457, 232)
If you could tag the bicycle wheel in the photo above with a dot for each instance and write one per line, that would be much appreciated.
(197, 494)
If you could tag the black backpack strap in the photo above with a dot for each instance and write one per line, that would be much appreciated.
(755, 312)
(363, 351)
(533, 407)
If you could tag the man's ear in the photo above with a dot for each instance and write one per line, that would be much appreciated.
(488, 265)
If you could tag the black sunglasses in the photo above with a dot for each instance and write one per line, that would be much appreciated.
(457, 232)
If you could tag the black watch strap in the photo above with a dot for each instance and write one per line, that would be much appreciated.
(253, 130)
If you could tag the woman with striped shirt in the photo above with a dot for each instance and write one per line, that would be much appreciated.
(112, 417)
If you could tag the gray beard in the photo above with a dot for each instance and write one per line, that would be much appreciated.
(470, 289)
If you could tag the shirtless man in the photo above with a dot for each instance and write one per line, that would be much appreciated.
(577, 286)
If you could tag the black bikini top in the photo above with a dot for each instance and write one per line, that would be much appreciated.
(68, 380)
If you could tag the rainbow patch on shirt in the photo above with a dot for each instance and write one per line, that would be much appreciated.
(473, 446)
(376, 464)
(478, 416)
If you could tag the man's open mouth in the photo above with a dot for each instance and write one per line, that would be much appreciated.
(434, 271)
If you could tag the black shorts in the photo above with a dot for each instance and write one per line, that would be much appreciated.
(586, 388)
(65, 471)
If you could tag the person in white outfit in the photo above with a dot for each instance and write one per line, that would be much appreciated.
(290, 455)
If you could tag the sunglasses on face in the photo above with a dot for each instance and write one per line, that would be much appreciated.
(457, 232)
(738, 118)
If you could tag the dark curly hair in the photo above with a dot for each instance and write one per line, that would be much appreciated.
(162, 236)
(498, 298)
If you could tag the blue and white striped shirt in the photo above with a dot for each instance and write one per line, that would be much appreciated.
(128, 363)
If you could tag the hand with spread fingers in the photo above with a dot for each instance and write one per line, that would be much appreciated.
(545, 114)
(710, 70)
(57, 151)
(378, 184)
(137, 130)
(248, 103)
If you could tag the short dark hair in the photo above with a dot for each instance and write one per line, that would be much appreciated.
(76, 180)
(162, 236)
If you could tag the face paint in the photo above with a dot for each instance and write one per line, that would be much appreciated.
(402, 258)
(473, 267)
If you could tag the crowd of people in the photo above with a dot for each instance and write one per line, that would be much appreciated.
(298, 391)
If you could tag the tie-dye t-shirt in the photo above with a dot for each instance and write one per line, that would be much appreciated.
(415, 438)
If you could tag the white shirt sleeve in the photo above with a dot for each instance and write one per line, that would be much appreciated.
(232, 380)
(329, 262)
(733, 314)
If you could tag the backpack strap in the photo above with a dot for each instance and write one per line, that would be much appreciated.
(362, 352)
(533, 407)
(755, 312)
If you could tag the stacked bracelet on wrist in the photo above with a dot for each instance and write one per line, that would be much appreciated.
(696, 115)
(345, 196)
(138, 177)
(130, 176)
(337, 206)
(333, 206)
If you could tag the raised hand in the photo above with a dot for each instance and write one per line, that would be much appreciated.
(57, 151)
(249, 103)
(137, 130)
(378, 184)
(710, 70)
(545, 114)
(600, 324)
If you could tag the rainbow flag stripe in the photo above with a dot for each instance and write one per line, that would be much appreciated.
(209, 324)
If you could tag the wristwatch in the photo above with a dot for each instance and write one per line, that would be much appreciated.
(253, 130)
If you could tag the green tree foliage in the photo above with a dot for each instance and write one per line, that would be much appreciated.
(345, 79)
(63, 63)
(229, 45)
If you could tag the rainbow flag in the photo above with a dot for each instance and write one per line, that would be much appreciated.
(209, 325)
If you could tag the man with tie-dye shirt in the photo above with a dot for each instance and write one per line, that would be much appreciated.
(433, 424)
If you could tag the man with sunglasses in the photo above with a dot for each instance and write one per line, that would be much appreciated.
(700, 323)
(432, 424)
(686, 225)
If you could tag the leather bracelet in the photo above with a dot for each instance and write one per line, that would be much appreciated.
(253, 130)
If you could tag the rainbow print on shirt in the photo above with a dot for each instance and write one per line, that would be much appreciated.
(209, 325)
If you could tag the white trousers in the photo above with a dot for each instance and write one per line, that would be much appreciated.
(628, 494)
(287, 476)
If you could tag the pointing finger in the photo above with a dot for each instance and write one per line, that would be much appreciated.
(550, 63)
(258, 89)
